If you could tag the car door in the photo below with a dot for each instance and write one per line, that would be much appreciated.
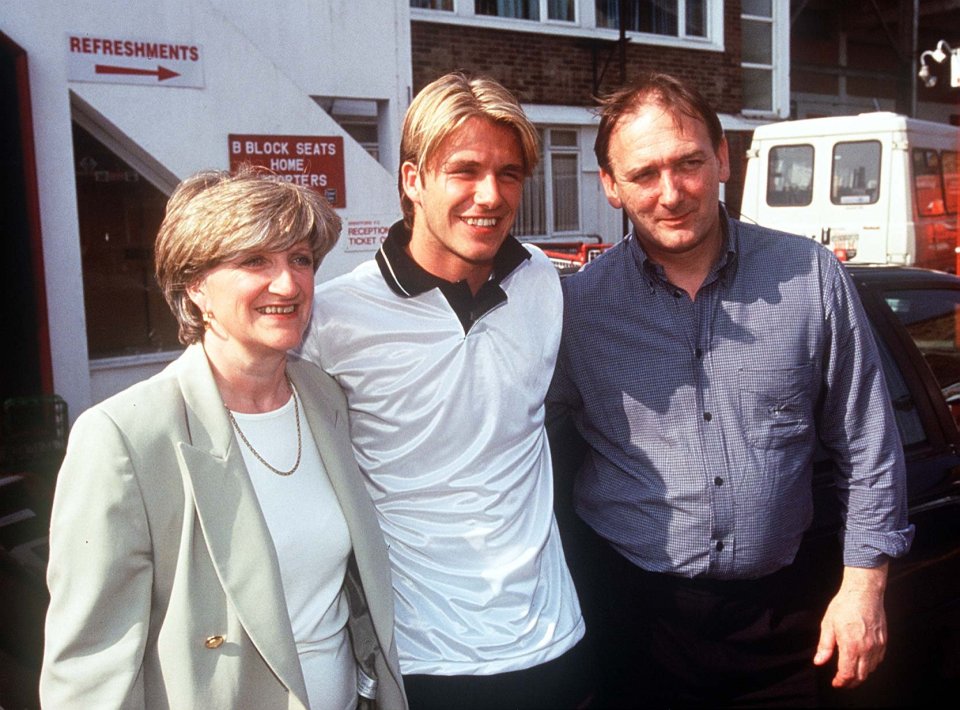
(917, 324)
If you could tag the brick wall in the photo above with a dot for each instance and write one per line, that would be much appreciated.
(558, 70)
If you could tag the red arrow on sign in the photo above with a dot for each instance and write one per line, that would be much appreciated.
(162, 73)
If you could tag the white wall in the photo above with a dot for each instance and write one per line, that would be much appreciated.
(262, 61)
(337, 48)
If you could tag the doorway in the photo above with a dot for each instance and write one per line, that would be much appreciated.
(25, 363)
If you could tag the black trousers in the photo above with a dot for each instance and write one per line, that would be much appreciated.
(565, 683)
(672, 642)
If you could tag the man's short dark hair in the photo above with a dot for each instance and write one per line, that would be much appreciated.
(672, 94)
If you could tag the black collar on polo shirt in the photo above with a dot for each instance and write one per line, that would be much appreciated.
(406, 278)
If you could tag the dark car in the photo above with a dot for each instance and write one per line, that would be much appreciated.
(915, 314)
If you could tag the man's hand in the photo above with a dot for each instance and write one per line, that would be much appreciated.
(856, 624)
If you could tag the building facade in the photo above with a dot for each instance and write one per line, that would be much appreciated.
(107, 104)
(866, 55)
(557, 56)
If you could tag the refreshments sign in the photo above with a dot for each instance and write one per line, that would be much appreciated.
(127, 60)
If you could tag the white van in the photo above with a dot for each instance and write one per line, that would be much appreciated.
(876, 188)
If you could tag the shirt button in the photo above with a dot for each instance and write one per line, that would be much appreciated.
(676, 294)
(698, 353)
(718, 481)
(707, 416)
(719, 546)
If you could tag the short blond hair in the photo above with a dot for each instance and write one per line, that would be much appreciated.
(214, 216)
(441, 109)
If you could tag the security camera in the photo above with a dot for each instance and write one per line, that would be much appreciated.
(940, 53)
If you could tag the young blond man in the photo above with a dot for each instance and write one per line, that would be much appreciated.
(445, 345)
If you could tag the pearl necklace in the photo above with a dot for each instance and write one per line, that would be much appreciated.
(296, 414)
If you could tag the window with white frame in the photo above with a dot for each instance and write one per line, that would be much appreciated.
(764, 55)
(699, 22)
(433, 4)
(551, 197)
(359, 118)
(561, 10)
(676, 18)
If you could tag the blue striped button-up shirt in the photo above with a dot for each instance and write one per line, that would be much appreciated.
(703, 415)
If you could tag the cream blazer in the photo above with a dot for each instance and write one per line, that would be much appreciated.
(165, 589)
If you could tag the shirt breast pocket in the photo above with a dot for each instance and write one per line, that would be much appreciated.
(777, 405)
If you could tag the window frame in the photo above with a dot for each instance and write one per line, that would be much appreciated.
(564, 150)
(835, 197)
(156, 174)
(947, 192)
(779, 66)
(813, 174)
(354, 115)
(549, 186)
(118, 215)
(925, 390)
(931, 380)
(896, 380)
(940, 208)
(436, 9)
(543, 7)
(584, 24)
(681, 24)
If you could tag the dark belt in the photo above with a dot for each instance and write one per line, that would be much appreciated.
(721, 587)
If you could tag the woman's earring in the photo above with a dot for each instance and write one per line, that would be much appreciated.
(207, 319)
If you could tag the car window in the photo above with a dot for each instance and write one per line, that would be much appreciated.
(904, 408)
(931, 318)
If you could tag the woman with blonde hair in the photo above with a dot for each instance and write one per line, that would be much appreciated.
(212, 544)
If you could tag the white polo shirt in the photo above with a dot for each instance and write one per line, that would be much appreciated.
(448, 430)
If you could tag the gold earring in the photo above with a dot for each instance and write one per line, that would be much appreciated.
(207, 319)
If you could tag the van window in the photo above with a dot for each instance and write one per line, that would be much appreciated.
(790, 176)
(856, 173)
(951, 179)
(927, 182)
